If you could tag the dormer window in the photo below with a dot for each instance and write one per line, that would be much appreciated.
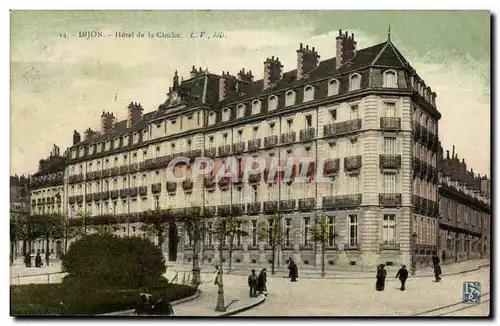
(108, 145)
(308, 93)
(226, 114)
(241, 110)
(290, 98)
(211, 118)
(273, 103)
(136, 137)
(173, 121)
(117, 142)
(390, 79)
(82, 151)
(354, 82)
(256, 107)
(333, 87)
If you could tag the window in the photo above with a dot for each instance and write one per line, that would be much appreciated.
(288, 227)
(188, 144)
(390, 109)
(306, 222)
(273, 103)
(308, 121)
(308, 93)
(354, 112)
(256, 107)
(270, 231)
(255, 133)
(211, 118)
(290, 98)
(354, 183)
(289, 125)
(253, 232)
(271, 129)
(270, 192)
(255, 194)
(354, 82)
(124, 184)
(238, 233)
(333, 186)
(287, 191)
(333, 115)
(389, 229)
(390, 79)
(330, 229)
(352, 147)
(353, 230)
(333, 87)
(241, 110)
(209, 238)
(239, 195)
(390, 145)
(226, 114)
(224, 139)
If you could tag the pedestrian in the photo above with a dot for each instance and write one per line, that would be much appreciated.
(38, 259)
(143, 307)
(27, 259)
(261, 286)
(437, 267)
(163, 307)
(294, 272)
(402, 275)
(217, 275)
(381, 274)
(444, 256)
(252, 283)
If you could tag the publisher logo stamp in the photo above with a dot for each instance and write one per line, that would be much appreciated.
(471, 292)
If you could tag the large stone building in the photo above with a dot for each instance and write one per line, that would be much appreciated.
(19, 203)
(366, 112)
(465, 211)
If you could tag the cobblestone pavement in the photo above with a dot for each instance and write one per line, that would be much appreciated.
(335, 297)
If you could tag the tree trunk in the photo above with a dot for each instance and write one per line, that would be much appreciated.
(315, 252)
(273, 254)
(230, 253)
(47, 251)
(24, 248)
(196, 280)
(12, 252)
(323, 259)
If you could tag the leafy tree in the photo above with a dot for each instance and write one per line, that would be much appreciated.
(17, 225)
(230, 228)
(156, 223)
(321, 233)
(274, 234)
(49, 227)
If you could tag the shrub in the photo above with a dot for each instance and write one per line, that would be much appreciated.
(110, 261)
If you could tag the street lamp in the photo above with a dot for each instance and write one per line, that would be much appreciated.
(220, 293)
(414, 252)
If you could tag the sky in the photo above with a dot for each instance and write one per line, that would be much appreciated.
(61, 84)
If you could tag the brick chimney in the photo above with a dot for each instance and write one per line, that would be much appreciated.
(76, 137)
(346, 48)
(245, 76)
(108, 120)
(134, 113)
(227, 84)
(272, 71)
(89, 133)
(307, 60)
(244, 79)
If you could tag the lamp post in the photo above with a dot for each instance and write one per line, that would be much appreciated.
(221, 307)
(414, 252)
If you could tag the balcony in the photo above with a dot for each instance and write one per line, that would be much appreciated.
(254, 144)
(106, 173)
(390, 246)
(239, 147)
(114, 194)
(424, 168)
(124, 169)
(142, 166)
(209, 182)
(79, 199)
(254, 178)
(171, 187)
(210, 211)
(187, 185)
(224, 150)
(96, 196)
(143, 191)
(307, 204)
(105, 195)
(288, 137)
(306, 134)
(115, 171)
(192, 154)
(124, 193)
(387, 199)
(224, 183)
(211, 152)
(352, 163)
(271, 141)
(332, 167)
(88, 198)
(271, 206)
(133, 168)
(390, 161)
(75, 178)
(341, 201)
(224, 210)
(133, 192)
(287, 204)
(253, 208)
(33, 202)
(425, 135)
(390, 123)
(417, 130)
(156, 188)
(238, 209)
(343, 127)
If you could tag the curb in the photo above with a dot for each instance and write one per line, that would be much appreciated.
(173, 303)
(237, 311)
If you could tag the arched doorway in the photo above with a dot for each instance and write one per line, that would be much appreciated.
(172, 242)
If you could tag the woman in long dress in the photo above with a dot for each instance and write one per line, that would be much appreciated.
(381, 274)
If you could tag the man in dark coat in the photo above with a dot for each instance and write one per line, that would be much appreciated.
(261, 287)
(38, 260)
(294, 273)
(252, 283)
(402, 275)
(163, 307)
(381, 274)
(27, 259)
(143, 306)
(437, 267)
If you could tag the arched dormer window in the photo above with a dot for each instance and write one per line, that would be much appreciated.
(290, 98)
(256, 107)
(308, 93)
(273, 103)
(354, 82)
(390, 79)
(240, 110)
(211, 118)
(333, 87)
(226, 114)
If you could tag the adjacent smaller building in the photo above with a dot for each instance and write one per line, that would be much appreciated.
(465, 211)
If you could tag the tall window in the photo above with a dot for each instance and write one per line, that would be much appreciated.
(239, 195)
(124, 182)
(255, 133)
(333, 115)
(211, 118)
(354, 112)
(224, 139)
(333, 186)
(352, 147)
(253, 232)
(271, 192)
(390, 109)
(353, 230)
(389, 183)
(239, 135)
(255, 194)
(238, 233)
(308, 121)
(289, 125)
(288, 227)
(390, 79)
(354, 184)
(331, 231)
(390, 145)
(389, 229)
(256, 107)
(287, 191)
(209, 238)
(226, 114)
(308, 93)
(354, 82)
(333, 87)
(290, 98)
(273, 103)
(306, 225)
(241, 110)
(270, 231)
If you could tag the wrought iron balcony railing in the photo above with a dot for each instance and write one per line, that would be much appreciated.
(332, 167)
(211, 152)
(271, 206)
(209, 182)
(254, 144)
(187, 185)
(224, 150)
(343, 127)
(352, 162)
(171, 187)
(306, 204)
(124, 193)
(114, 194)
(306, 134)
(390, 161)
(143, 191)
(239, 147)
(389, 199)
(340, 201)
(288, 137)
(238, 209)
(287, 204)
(156, 188)
(133, 191)
(271, 141)
(390, 123)
(253, 208)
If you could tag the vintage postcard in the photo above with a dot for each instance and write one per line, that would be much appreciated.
(250, 163)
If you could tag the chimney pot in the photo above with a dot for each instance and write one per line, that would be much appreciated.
(340, 32)
(448, 154)
(300, 46)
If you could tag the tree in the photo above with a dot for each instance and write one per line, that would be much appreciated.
(49, 227)
(323, 233)
(231, 229)
(156, 223)
(17, 225)
(274, 234)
